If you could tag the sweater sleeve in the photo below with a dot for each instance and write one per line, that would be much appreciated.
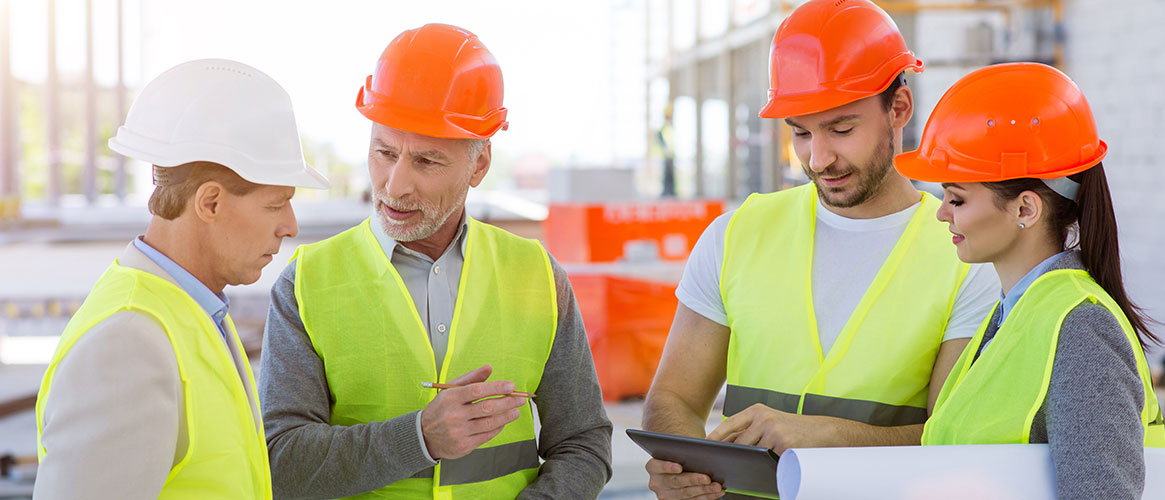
(1093, 409)
(575, 439)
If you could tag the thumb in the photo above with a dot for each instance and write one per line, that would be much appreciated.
(473, 376)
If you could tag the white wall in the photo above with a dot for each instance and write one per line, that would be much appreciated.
(1115, 52)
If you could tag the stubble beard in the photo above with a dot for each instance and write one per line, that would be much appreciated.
(432, 219)
(870, 179)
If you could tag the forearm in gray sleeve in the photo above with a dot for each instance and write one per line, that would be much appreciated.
(310, 458)
(575, 440)
(1093, 409)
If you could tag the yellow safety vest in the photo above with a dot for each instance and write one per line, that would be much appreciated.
(376, 351)
(878, 370)
(226, 457)
(995, 399)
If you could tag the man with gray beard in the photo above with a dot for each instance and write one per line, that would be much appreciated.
(402, 356)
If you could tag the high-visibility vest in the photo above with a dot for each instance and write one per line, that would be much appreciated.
(994, 399)
(376, 352)
(879, 369)
(226, 457)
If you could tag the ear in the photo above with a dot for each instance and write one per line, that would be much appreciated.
(481, 164)
(902, 107)
(208, 200)
(1028, 209)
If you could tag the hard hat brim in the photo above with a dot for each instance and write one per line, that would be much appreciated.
(915, 166)
(837, 94)
(292, 173)
(433, 124)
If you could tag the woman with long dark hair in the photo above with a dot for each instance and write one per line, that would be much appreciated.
(1061, 359)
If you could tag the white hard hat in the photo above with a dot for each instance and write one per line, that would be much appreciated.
(220, 111)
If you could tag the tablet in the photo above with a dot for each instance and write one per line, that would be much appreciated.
(739, 468)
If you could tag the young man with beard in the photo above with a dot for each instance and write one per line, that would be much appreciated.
(836, 309)
(420, 292)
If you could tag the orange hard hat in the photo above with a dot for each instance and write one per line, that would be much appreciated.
(1006, 121)
(828, 53)
(437, 80)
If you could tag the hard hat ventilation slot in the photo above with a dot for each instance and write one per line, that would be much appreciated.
(232, 70)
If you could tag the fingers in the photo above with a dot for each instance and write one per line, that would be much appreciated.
(729, 427)
(473, 376)
(480, 390)
(474, 441)
(494, 406)
(655, 466)
(669, 482)
(706, 492)
(487, 424)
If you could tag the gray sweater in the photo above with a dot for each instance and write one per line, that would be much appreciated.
(1091, 417)
(311, 459)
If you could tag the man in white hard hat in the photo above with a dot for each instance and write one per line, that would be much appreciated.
(149, 393)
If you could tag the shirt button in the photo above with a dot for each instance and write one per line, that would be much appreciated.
(436, 269)
(441, 328)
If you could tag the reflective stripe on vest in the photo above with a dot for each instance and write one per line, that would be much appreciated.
(993, 400)
(226, 456)
(487, 463)
(878, 370)
(738, 399)
(358, 313)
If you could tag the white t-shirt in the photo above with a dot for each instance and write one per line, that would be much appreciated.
(854, 250)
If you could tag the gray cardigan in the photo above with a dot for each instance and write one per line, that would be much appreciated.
(1091, 417)
(311, 459)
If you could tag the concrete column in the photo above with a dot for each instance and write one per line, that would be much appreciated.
(52, 109)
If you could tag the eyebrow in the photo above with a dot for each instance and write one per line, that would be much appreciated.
(429, 153)
(827, 124)
(282, 198)
(955, 185)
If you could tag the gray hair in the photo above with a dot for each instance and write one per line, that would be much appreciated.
(475, 147)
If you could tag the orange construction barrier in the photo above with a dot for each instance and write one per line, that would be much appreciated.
(608, 232)
(627, 321)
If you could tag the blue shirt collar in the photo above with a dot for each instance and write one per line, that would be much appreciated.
(1008, 299)
(215, 304)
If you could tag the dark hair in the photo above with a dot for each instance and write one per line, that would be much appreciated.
(1095, 234)
(887, 96)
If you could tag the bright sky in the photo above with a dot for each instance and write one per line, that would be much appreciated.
(567, 81)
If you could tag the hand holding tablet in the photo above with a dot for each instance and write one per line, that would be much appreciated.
(739, 468)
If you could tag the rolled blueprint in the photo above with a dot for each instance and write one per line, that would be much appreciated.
(999, 472)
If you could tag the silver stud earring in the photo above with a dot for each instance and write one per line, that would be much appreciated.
(1021, 226)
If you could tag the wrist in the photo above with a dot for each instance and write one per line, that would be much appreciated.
(421, 437)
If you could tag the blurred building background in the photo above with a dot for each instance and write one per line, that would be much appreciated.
(589, 86)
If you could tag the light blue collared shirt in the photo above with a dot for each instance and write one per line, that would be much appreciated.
(1008, 299)
(215, 304)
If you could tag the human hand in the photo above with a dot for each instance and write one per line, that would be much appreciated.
(459, 420)
(670, 482)
(759, 425)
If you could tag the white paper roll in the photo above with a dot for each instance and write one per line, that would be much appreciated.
(1000, 472)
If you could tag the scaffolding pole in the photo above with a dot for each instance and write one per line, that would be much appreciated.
(120, 100)
(90, 175)
(9, 173)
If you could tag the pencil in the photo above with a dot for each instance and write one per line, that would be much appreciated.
(434, 385)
